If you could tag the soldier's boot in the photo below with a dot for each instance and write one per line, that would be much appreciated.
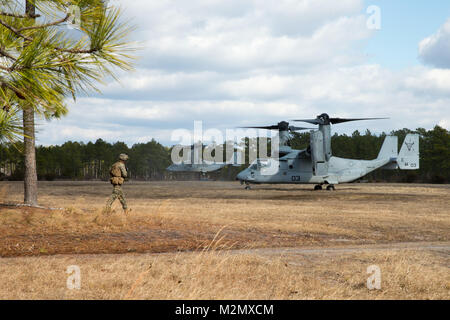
(127, 211)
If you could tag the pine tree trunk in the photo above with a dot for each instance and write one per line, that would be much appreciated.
(30, 179)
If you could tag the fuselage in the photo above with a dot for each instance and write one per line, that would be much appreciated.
(300, 171)
(204, 168)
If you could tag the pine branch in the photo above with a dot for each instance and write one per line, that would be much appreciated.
(7, 55)
(18, 33)
(50, 24)
(19, 16)
(19, 94)
(51, 67)
(15, 31)
(78, 51)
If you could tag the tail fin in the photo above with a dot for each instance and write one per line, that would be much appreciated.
(389, 148)
(408, 158)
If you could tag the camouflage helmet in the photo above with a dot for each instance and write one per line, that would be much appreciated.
(123, 157)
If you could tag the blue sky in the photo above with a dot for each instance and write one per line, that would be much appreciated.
(233, 63)
(404, 24)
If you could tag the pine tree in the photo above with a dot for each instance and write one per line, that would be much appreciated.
(42, 61)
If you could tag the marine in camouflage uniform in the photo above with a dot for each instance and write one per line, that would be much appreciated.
(118, 174)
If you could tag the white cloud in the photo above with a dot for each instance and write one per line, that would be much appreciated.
(236, 36)
(435, 50)
(236, 63)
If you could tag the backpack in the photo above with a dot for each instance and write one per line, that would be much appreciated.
(116, 175)
(115, 170)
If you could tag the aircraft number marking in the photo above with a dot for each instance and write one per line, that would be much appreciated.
(295, 178)
(412, 165)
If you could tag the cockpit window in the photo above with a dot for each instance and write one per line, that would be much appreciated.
(263, 164)
(259, 164)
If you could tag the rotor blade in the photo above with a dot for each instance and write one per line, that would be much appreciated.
(294, 128)
(341, 120)
(312, 121)
(276, 127)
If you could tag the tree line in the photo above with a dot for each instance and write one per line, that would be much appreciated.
(90, 161)
(148, 161)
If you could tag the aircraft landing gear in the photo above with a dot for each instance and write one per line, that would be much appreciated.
(247, 187)
(317, 187)
(331, 187)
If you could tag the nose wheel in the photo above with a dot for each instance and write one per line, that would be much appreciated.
(318, 187)
(247, 186)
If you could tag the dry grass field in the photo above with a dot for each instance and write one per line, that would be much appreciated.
(214, 240)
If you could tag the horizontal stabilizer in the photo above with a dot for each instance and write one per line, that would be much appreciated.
(390, 166)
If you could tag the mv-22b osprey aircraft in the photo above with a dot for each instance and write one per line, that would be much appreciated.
(196, 162)
(316, 164)
(191, 166)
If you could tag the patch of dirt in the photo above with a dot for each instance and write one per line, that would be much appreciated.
(30, 239)
(292, 253)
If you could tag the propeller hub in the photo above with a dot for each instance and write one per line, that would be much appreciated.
(283, 126)
(324, 118)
